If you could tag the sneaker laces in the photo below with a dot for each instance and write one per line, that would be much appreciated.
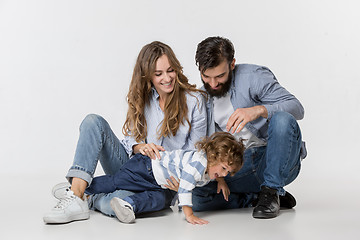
(129, 207)
(63, 203)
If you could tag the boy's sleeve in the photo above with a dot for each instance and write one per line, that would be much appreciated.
(191, 174)
(186, 185)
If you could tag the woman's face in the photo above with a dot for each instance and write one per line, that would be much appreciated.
(164, 76)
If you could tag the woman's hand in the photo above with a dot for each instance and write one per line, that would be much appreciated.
(173, 184)
(148, 149)
(222, 186)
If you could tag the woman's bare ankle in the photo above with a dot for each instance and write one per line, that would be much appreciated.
(78, 186)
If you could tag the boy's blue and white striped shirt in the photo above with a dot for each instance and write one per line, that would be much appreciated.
(186, 166)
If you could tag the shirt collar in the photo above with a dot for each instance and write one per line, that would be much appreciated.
(155, 94)
(232, 87)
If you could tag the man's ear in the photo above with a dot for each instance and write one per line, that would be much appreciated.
(232, 65)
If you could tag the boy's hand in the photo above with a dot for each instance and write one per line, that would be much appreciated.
(195, 220)
(191, 218)
(173, 184)
(222, 186)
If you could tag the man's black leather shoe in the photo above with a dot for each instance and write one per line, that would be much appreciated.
(287, 201)
(268, 205)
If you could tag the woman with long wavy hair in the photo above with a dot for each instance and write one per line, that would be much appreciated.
(165, 112)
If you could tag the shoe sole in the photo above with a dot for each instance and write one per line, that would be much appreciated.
(261, 215)
(124, 214)
(76, 217)
(58, 191)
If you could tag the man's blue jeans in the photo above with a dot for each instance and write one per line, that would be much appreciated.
(274, 165)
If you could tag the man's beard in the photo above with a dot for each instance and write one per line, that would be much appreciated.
(224, 87)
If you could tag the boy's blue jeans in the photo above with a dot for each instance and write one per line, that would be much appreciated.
(136, 175)
(274, 165)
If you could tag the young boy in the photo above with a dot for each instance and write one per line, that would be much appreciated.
(217, 156)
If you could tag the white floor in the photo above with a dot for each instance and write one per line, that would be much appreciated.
(61, 61)
(325, 210)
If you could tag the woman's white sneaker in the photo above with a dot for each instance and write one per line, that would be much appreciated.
(60, 189)
(123, 210)
(69, 208)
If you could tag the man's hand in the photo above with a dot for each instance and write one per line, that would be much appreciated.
(242, 116)
(222, 186)
(148, 149)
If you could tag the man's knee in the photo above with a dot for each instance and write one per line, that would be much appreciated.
(282, 119)
(281, 122)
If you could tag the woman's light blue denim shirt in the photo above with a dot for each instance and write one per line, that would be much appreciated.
(183, 139)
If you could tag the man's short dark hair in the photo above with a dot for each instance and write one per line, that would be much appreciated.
(212, 51)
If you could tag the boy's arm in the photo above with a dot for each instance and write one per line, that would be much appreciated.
(191, 218)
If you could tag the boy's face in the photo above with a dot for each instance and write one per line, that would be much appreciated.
(219, 170)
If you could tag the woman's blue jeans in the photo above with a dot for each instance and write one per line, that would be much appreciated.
(275, 165)
(97, 142)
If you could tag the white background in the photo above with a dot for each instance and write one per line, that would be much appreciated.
(60, 60)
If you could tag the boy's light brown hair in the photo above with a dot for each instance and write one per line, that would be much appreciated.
(223, 147)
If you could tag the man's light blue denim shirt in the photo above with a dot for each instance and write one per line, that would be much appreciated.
(183, 139)
(254, 85)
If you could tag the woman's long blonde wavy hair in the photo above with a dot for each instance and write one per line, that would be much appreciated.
(175, 108)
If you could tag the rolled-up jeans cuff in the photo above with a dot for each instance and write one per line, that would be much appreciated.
(281, 191)
(79, 174)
